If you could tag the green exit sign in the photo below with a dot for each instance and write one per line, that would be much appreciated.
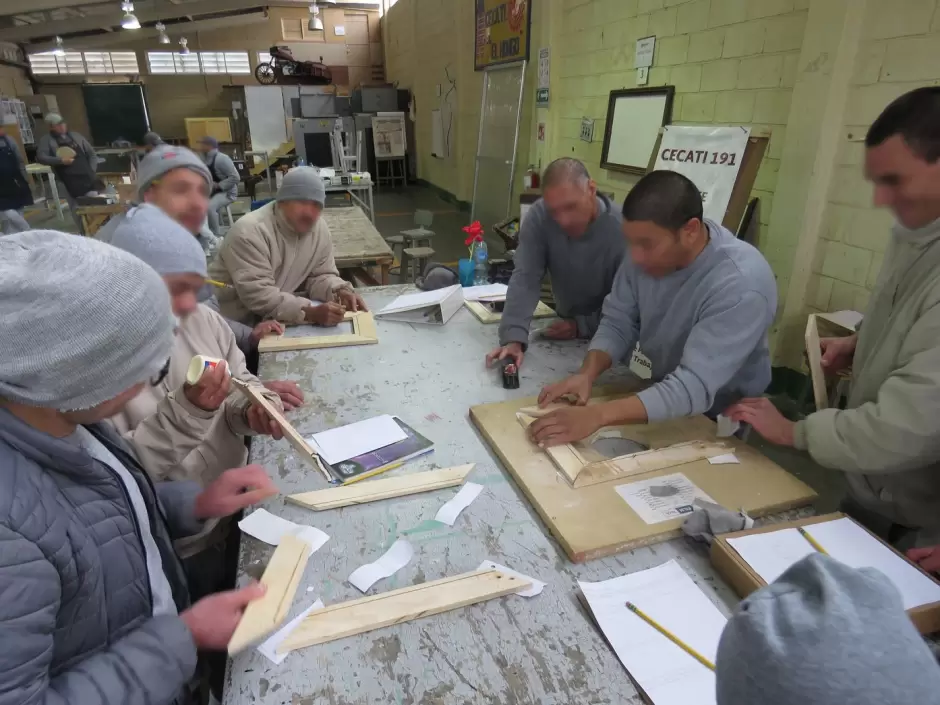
(541, 97)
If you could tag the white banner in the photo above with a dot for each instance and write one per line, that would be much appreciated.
(710, 157)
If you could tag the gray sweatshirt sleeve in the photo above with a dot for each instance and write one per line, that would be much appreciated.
(226, 169)
(45, 152)
(525, 285)
(718, 345)
(619, 327)
(89, 152)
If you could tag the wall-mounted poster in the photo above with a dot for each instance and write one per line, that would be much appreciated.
(502, 32)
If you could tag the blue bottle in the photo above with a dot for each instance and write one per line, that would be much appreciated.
(480, 264)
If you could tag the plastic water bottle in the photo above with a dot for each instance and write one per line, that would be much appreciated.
(480, 265)
(300, 161)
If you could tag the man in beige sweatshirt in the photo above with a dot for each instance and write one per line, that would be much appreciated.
(182, 431)
(279, 260)
(887, 440)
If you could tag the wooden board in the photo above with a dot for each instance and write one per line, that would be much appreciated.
(386, 488)
(364, 333)
(814, 358)
(290, 433)
(356, 241)
(399, 606)
(744, 580)
(485, 315)
(594, 521)
(281, 578)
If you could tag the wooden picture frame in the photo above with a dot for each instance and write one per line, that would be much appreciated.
(483, 313)
(814, 360)
(643, 128)
(364, 333)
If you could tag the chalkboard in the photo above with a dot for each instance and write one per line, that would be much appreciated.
(116, 111)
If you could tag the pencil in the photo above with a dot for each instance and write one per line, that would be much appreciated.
(812, 542)
(221, 285)
(672, 637)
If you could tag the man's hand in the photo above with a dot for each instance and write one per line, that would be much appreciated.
(927, 558)
(561, 330)
(213, 619)
(350, 300)
(837, 353)
(764, 417)
(264, 329)
(326, 315)
(577, 386)
(211, 389)
(565, 426)
(291, 395)
(261, 422)
(233, 490)
(513, 350)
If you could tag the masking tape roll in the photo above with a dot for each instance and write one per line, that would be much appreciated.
(199, 364)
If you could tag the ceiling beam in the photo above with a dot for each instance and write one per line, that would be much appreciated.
(18, 7)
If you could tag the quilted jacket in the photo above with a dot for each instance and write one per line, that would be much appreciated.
(76, 616)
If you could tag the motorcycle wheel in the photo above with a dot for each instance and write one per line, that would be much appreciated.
(265, 74)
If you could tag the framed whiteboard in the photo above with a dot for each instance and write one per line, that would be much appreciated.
(634, 118)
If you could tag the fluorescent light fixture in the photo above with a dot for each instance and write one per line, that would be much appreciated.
(129, 21)
(162, 37)
(59, 49)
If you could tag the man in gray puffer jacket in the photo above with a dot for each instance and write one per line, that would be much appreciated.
(94, 607)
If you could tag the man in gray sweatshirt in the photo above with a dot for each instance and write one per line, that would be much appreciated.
(694, 301)
(573, 233)
(225, 179)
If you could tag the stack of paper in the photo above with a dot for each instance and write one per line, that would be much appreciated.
(434, 307)
(339, 444)
(771, 553)
(666, 673)
(488, 292)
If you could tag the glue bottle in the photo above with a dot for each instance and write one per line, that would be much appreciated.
(199, 364)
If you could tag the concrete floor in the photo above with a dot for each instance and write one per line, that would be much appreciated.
(395, 212)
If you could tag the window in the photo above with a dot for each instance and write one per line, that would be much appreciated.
(198, 62)
(76, 62)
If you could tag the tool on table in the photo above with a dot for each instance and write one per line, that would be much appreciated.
(812, 542)
(669, 635)
(510, 374)
(221, 285)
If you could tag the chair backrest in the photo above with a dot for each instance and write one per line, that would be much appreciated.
(424, 218)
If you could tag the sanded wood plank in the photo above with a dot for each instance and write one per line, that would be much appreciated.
(814, 356)
(281, 578)
(364, 333)
(486, 315)
(565, 457)
(648, 461)
(386, 488)
(399, 606)
(290, 433)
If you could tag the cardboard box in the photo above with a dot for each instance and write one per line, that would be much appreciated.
(743, 580)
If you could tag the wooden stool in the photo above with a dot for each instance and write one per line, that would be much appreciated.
(420, 255)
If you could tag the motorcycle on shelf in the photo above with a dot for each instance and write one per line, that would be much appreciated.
(285, 69)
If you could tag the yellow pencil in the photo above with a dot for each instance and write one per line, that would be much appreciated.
(221, 285)
(672, 637)
(812, 542)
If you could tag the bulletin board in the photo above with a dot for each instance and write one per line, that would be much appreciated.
(388, 135)
(634, 120)
(502, 32)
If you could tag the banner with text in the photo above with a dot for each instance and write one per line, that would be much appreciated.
(710, 157)
(502, 32)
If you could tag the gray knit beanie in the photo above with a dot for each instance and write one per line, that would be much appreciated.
(53, 119)
(152, 139)
(82, 321)
(166, 158)
(825, 634)
(149, 233)
(302, 183)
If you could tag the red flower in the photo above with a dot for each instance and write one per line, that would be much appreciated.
(475, 232)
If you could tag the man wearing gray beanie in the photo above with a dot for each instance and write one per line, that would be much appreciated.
(225, 179)
(279, 260)
(825, 634)
(96, 608)
(151, 141)
(182, 431)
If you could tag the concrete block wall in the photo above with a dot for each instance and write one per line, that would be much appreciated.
(899, 51)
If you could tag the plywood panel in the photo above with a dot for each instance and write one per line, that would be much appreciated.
(594, 521)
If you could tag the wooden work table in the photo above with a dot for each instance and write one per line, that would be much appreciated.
(510, 650)
(357, 244)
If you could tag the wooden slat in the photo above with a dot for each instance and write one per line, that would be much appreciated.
(485, 315)
(399, 606)
(364, 333)
(566, 459)
(814, 357)
(281, 578)
(386, 488)
(648, 461)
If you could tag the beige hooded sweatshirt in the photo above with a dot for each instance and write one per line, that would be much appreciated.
(888, 439)
(175, 440)
(275, 270)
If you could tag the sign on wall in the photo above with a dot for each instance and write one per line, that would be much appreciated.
(502, 32)
(541, 91)
(710, 156)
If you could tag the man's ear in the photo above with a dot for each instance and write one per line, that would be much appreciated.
(688, 231)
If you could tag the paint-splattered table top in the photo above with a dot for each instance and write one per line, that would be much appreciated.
(510, 650)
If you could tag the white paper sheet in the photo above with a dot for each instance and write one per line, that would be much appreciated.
(772, 553)
(667, 674)
(345, 442)
(537, 585)
(726, 459)
(662, 498)
(393, 560)
(487, 291)
(268, 648)
(846, 319)
(408, 302)
(449, 512)
(726, 427)
(269, 528)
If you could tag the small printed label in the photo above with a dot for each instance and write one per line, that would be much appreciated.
(663, 498)
(640, 364)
